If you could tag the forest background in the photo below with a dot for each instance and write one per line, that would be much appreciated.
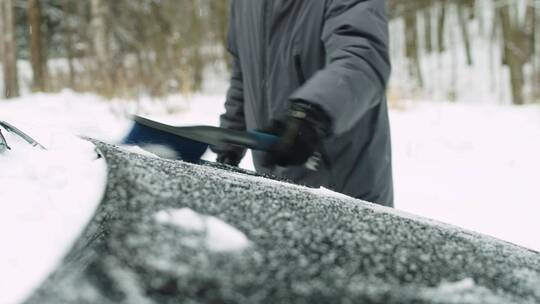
(441, 49)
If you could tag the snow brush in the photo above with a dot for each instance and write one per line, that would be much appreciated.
(190, 143)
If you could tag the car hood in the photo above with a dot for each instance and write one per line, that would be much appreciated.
(171, 232)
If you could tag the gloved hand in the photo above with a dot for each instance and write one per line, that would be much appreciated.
(231, 158)
(301, 131)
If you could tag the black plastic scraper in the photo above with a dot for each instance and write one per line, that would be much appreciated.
(190, 143)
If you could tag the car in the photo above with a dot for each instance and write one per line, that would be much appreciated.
(175, 232)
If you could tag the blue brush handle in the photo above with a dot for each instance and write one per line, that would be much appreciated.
(264, 141)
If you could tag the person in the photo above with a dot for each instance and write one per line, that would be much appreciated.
(314, 73)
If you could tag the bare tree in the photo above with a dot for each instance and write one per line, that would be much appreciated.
(68, 41)
(1, 33)
(463, 10)
(428, 29)
(220, 12)
(133, 48)
(11, 83)
(528, 29)
(37, 51)
(536, 53)
(101, 44)
(411, 46)
(441, 23)
(517, 40)
(529, 39)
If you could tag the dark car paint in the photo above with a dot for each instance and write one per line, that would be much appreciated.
(304, 247)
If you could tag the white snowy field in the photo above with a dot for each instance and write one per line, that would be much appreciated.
(474, 166)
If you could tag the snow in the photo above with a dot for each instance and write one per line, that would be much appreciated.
(473, 166)
(330, 193)
(80, 114)
(153, 150)
(219, 236)
(47, 197)
(463, 291)
(450, 288)
(139, 150)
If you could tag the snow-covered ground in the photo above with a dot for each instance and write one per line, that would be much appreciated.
(475, 166)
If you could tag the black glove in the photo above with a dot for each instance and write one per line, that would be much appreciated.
(301, 131)
(231, 158)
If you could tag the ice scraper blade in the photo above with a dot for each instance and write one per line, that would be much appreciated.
(191, 142)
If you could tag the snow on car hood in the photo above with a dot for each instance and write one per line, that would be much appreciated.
(47, 198)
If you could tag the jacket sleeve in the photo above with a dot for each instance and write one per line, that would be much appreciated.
(355, 36)
(233, 118)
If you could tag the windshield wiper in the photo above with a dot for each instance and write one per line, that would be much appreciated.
(11, 129)
(3, 143)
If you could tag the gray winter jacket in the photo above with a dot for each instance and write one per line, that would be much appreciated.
(333, 53)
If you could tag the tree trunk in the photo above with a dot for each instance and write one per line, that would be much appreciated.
(441, 22)
(81, 8)
(1, 34)
(464, 26)
(536, 54)
(528, 30)
(37, 52)
(411, 48)
(68, 31)
(99, 26)
(101, 44)
(470, 4)
(220, 11)
(428, 32)
(11, 83)
(512, 51)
